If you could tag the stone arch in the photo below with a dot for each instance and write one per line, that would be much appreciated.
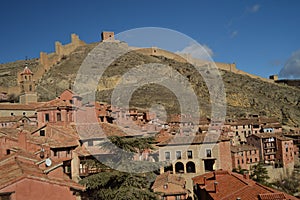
(179, 167)
(190, 167)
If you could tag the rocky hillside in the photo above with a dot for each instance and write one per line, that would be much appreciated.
(244, 95)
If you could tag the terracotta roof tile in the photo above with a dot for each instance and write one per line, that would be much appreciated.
(197, 139)
(26, 71)
(172, 181)
(16, 106)
(20, 165)
(232, 186)
(244, 147)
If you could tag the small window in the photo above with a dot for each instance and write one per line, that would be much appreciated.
(90, 143)
(71, 101)
(58, 117)
(5, 196)
(11, 114)
(238, 162)
(30, 87)
(190, 154)
(250, 160)
(167, 155)
(24, 113)
(47, 117)
(55, 153)
(7, 151)
(178, 154)
(178, 197)
(208, 153)
(42, 132)
(237, 133)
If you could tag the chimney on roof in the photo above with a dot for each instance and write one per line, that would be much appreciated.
(215, 175)
(204, 180)
(246, 175)
(216, 186)
(22, 139)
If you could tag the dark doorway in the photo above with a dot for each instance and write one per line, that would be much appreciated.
(208, 164)
(190, 167)
(179, 167)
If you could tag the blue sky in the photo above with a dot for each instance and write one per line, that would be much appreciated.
(259, 36)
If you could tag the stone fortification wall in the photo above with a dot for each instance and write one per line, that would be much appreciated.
(48, 60)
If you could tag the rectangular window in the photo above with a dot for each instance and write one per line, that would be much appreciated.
(55, 153)
(90, 143)
(47, 117)
(42, 132)
(5, 196)
(58, 117)
(190, 154)
(178, 154)
(167, 155)
(178, 197)
(208, 153)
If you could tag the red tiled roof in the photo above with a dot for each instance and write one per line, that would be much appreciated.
(232, 186)
(26, 71)
(20, 165)
(55, 103)
(170, 180)
(244, 147)
(56, 136)
(197, 139)
(16, 106)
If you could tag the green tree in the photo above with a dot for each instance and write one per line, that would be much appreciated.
(122, 185)
(259, 174)
(117, 185)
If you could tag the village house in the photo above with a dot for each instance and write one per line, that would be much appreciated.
(274, 149)
(170, 187)
(244, 156)
(226, 185)
(195, 154)
(24, 176)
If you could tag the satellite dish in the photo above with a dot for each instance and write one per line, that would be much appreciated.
(48, 162)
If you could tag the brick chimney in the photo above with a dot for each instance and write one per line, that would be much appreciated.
(22, 139)
(204, 180)
(246, 175)
(216, 186)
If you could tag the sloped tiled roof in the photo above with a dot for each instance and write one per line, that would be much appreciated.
(55, 103)
(170, 180)
(20, 165)
(232, 186)
(244, 147)
(17, 106)
(197, 139)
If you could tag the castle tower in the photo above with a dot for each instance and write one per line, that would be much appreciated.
(27, 85)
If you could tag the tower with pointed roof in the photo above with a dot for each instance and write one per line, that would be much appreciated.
(27, 85)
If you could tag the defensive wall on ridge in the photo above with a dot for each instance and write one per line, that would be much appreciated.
(46, 61)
